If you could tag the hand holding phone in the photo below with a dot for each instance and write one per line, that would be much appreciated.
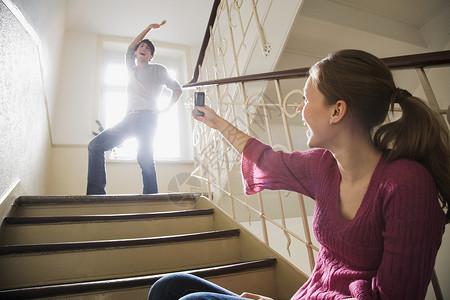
(199, 100)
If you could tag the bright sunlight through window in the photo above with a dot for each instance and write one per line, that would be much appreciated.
(114, 104)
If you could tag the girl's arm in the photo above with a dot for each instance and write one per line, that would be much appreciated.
(235, 137)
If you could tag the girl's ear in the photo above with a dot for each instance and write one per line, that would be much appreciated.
(339, 111)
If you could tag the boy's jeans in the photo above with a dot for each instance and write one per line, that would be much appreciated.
(140, 124)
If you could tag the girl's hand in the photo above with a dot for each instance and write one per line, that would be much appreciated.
(235, 137)
(247, 295)
(210, 118)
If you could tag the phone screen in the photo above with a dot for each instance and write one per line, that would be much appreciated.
(199, 100)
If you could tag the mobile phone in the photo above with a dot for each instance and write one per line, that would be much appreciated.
(199, 100)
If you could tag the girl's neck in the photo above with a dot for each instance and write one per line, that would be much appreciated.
(357, 161)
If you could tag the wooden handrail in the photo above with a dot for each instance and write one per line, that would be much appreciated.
(394, 63)
(422, 60)
(201, 56)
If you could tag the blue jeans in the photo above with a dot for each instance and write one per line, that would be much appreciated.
(188, 287)
(140, 124)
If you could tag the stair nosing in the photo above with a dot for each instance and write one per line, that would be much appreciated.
(104, 244)
(83, 199)
(129, 282)
(105, 217)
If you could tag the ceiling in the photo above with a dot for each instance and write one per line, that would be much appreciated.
(407, 26)
(411, 12)
(186, 20)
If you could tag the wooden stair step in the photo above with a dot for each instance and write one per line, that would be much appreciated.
(101, 204)
(140, 283)
(73, 246)
(53, 229)
(105, 218)
(95, 260)
(71, 199)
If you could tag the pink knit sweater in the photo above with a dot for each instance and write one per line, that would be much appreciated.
(387, 251)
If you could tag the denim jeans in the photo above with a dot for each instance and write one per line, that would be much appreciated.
(140, 124)
(188, 287)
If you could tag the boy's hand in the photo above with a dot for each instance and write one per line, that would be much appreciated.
(156, 26)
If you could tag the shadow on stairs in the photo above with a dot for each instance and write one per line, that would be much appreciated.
(117, 246)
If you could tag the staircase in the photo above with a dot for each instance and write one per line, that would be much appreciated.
(116, 247)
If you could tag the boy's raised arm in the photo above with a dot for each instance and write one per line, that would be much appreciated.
(142, 35)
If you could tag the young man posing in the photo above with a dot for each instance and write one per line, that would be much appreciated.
(145, 83)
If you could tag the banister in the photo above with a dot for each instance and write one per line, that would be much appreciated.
(201, 56)
(293, 73)
(394, 63)
(422, 60)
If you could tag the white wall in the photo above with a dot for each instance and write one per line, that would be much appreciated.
(68, 174)
(24, 129)
(47, 18)
(74, 120)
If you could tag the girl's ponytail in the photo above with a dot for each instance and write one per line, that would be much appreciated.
(419, 134)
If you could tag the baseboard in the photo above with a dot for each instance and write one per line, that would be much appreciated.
(8, 197)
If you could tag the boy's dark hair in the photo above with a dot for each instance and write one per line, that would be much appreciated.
(149, 43)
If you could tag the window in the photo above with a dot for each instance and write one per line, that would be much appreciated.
(169, 138)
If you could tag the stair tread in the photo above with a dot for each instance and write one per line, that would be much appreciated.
(104, 217)
(72, 246)
(95, 199)
(129, 272)
(129, 282)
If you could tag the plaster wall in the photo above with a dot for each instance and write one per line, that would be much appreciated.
(47, 18)
(23, 124)
(24, 131)
(68, 174)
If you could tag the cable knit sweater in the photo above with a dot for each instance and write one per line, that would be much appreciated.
(387, 251)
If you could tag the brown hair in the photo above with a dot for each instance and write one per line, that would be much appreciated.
(149, 44)
(366, 84)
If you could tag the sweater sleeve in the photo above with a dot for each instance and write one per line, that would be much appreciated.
(130, 59)
(414, 225)
(164, 78)
(263, 168)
